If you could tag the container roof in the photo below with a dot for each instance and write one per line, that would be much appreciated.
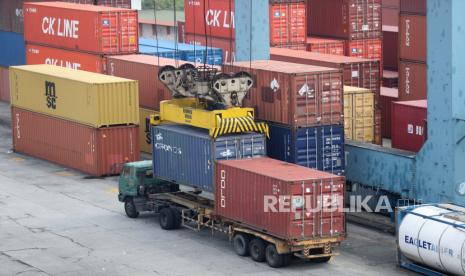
(353, 89)
(418, 103)
(389, 92)
(278, 169)
(317, 39)
(70, 74)
(315, 56)
(283, 67)
(80, 7)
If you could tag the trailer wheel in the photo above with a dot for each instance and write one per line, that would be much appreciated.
(167, 219)
(177, 217)
(258, 250)
(276, 260)
(130, 208)
(241, 244)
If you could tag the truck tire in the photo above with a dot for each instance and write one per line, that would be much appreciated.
(241, 244)
(177, 217)
(276, 260)
(167, 219)
(258, 250)
(130, 208)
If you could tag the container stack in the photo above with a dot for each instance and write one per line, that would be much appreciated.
(288, 27)
(303, 107)
(409, 126)
(81, 120)
(78, 36)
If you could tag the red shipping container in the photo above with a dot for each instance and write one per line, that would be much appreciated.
(346, 19)
(388, 96)
(87, 28)
(144, 69)
(293, 94)
(4, 85)
(218, 15)
(412, 42)
(299, 47)
(391, 16)
(288, 23)
(413, 6)
(326, 45)
(390, 47)
(228, 46)
(409, 128)
(412, 81)
(314, 199)
(95, 151)
(36, 54)
(365, 48)
(391, 3)
(125, 4)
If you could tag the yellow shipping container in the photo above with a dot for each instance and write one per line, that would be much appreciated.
(359, 114)
(88, 98)
(144, 130)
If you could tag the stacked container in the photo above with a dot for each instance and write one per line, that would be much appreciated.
(359, 115)
(330, 46)
(297, 98)
(412, 50)
(78, 36)
(81, 120)
(288, 27)
(409, 125)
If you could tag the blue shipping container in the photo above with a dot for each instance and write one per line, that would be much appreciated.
(12, 49)
(187, 155)
(320, 148)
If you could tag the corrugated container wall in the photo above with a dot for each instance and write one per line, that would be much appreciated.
(218, 17)
(412, 81)
(87, 28)
(228, 47)
(346, 19)
(144, 130)
(36, 54)
(409, 126)
(88, 98)
(97, 152)
(365, 48)
(13, 49)
(413, 6)
(144, 69)
(4, 85)
(266, 180)
(412, 42)
(326, 45)
(359, 114)
(388, 96)
(288, 22)
(293, 94)
(187, 155)
(390, 48)
(319, 148)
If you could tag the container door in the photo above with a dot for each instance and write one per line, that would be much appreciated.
(109, 32)
(304, 214)
(329, 219)
(331, 149)
(128, 26)
(306, 96)
(305, 147)
(331, 97)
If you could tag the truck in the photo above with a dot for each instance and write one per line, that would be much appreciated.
(140, 192)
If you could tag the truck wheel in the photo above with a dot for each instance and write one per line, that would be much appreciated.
(241, 244)
(258, 250)
(177, 217)
(276, 260)
(167, 219)
(130, 208)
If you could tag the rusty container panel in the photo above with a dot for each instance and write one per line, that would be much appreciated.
(288, 23)
(87, 28)
(409, 126)
(413, 6)
(37, 54)
(4, 85)
(95, 151)
(294, 94)
(390, 48)
(214, 17)
(346, 19)
(268, 180)
(412, 37)
(326, 45)
(388, 96)
(412, 81)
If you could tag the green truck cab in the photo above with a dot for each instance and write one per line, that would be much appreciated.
(136, 183)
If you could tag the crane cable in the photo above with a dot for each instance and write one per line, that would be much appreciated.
(176, 45)
(156, 31)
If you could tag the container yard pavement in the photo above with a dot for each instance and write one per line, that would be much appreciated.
(55, 221)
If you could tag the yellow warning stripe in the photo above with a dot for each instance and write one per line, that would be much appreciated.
(239, 125)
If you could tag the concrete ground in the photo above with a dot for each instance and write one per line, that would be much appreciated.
(55, 221)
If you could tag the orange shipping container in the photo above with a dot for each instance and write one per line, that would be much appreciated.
(36, 54)
(366, 48)
(288, 23)
(326, 45)
(95, 151)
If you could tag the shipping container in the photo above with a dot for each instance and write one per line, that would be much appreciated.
(388, 96)
(390, 79)
(293, 94)
(365, 48)
(144, 69)
(391, 3)
(13, 49)
(228, 46)
(409, 126)
(84, 97)
(412, 81)
(217, 18)
(4, 85)
(412, 42)
(37, 54)
(288, 22)
(346, 19)
(320, 148)
(186, 155)
(391, 16)
(413, 6)
(293, 46)
(95, 151)
(359, 114)
(315, 198)
(390, 48)
(144, 130)
(87, 28)
(326, 45)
